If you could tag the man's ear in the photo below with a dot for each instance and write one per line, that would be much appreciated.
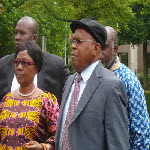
(97, 49)
(35, 37)
(116, 49)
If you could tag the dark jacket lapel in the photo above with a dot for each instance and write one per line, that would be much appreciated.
(67, 88)
(90, 88)
(11, 70)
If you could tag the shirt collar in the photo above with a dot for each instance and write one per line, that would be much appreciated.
(88, 71)
(116, 65)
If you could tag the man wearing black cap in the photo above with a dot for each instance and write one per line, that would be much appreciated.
(93, 110)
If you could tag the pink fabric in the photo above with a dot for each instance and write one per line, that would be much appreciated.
(24, 120)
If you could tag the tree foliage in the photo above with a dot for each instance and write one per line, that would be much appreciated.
(54, 17)
(8, 19)
(138, 27)
(138, 31)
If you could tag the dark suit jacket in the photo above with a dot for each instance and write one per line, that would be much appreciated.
(100, 119)
(51, 78)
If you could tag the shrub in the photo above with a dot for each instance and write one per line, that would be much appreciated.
(70, 68)
(141, 79)
(147, 97)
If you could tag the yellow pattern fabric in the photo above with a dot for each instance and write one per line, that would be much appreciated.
(23, 120)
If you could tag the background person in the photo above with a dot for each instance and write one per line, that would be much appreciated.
(138, 118)
(53, 74)
(28, 116)
(93, 110)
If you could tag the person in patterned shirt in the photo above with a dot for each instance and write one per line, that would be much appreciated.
(28, 116)
(138, 118)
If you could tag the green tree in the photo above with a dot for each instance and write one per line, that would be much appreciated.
(54, 14)
(54, 17)
(8, 21)
(138, 31)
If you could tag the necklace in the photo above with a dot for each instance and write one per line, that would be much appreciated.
(25, 95)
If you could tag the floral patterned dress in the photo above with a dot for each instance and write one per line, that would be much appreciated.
(24, 120)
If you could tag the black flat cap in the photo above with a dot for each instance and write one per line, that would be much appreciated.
(93, 27)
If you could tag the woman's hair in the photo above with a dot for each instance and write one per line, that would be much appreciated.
(34, 51)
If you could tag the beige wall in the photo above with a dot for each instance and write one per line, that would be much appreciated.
(125, 49)
(140, 58)
(139, 55)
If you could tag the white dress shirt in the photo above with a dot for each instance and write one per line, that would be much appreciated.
(85, 76)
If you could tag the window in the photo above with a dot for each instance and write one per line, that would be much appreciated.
(123, 58)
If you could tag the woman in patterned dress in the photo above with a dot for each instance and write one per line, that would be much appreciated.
(28, 116)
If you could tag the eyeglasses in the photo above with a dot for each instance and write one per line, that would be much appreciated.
(23, 63)
(79, 42)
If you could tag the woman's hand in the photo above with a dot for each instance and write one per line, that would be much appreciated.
(33, 145)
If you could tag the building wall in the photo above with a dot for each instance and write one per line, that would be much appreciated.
(125, 49)
(135, 56)
(140, 58)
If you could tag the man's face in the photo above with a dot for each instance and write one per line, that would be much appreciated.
(82, 53)
(23, 32)
(108, 53)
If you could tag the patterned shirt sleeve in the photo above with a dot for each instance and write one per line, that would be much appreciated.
(138, 118)
(52, 114)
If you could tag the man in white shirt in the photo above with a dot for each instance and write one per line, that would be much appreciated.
(99, 119)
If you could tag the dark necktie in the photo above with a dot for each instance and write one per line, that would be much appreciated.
(72, 106)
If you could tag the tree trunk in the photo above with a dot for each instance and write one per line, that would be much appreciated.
(145, 62)
(1, 51)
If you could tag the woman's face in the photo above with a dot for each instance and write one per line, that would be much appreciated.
(25, 69)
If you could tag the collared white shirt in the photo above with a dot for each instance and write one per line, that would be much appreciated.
(15, 85)
(85, 77)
